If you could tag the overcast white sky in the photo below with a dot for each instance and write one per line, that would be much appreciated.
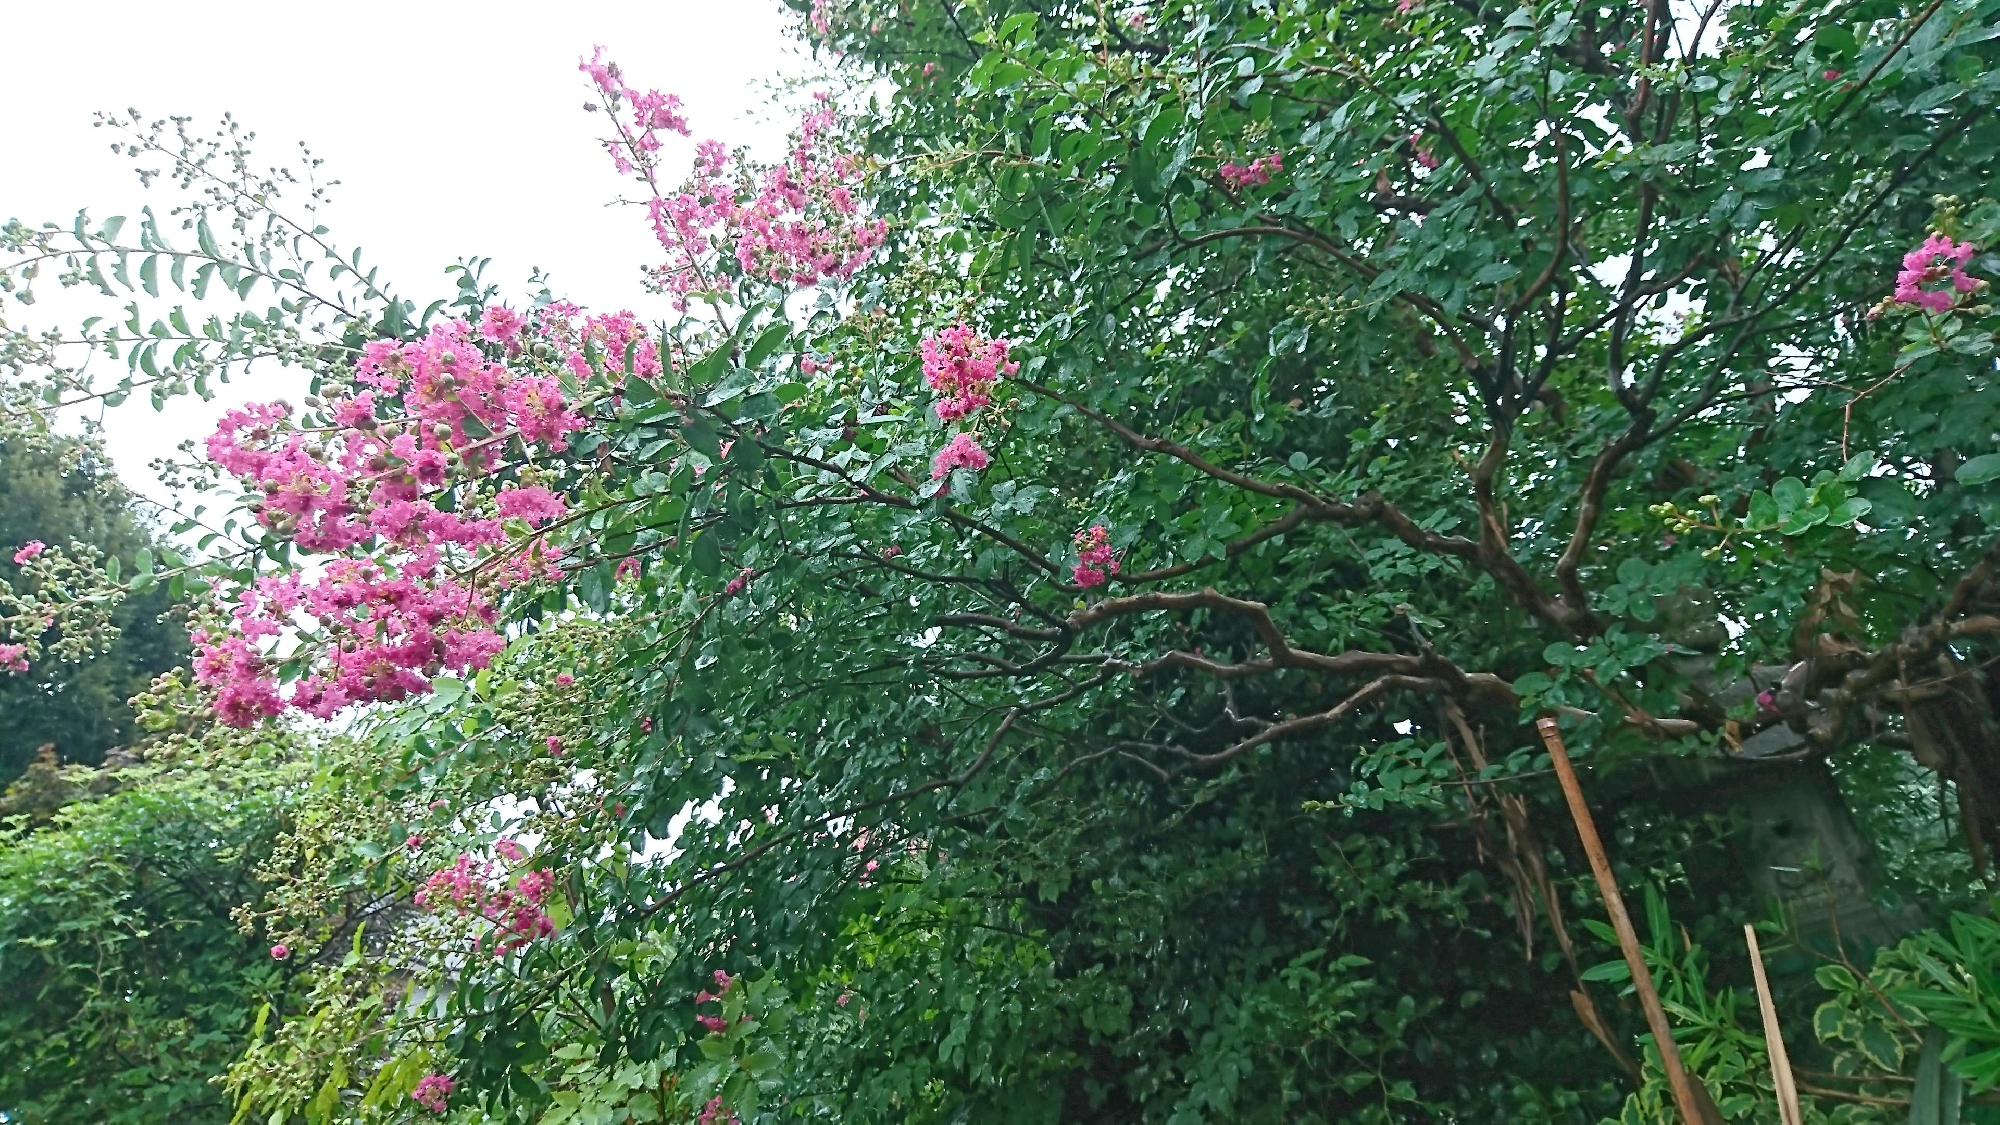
(454, 129)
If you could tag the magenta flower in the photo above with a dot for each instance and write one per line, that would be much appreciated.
(963, 452)
(29, 551)
(14, 657)
(433, 1092)
(1257, 172)
(533, 504)
(1096, 562)
(564, 679)
(1939, 259)
(1422, 150)
(735, 585)
(501, 324)
(280, 951)
(962, 368)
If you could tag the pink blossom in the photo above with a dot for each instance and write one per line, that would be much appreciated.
(735, 585)
(793, 224)
(280, 951)
(414, 842)
(646, 724)
(533, 504)
(509, 850)
(1258, 171)
(716, 1024)
(564, 679)
(29, 551)
(1939, 259)
(500, 324)
(715, 1113)
(555, 746)
(723, 980)
(810, 366)
(1423, 151)
(962, 368)
(516, 911)
(963, 452)
(433, 1092)
(843, 999)
(14, 657)
(1095, 559)
(1830, 74)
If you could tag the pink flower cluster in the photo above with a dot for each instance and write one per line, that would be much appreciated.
(716, 1024)
(14, 657)
(962, 368)
(386, 635)
(797, 223)
(1096, 561)
(638, 142)
(1258, 171)
(962, 452)
(1939, 259)
(715, 1113)
(1423, 151)
(516, 911)
(29, 552)
(380, 489)
(433, 1092)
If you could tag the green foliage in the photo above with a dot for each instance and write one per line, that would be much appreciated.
(130, 985)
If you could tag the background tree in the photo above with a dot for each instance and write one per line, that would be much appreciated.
(59, 489)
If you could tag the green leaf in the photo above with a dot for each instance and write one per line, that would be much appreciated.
(1803, 520)
(768, 342)
(1979, 470)
(706, 554)
(1881, 1048)
(701, 436)
(1790, 495)
(1763, 512)
(1849, 511)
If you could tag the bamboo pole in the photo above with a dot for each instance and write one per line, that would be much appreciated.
(1628, 939)
(1774, 1042)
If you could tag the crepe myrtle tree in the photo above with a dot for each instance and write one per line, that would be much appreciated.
(1116, 452)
